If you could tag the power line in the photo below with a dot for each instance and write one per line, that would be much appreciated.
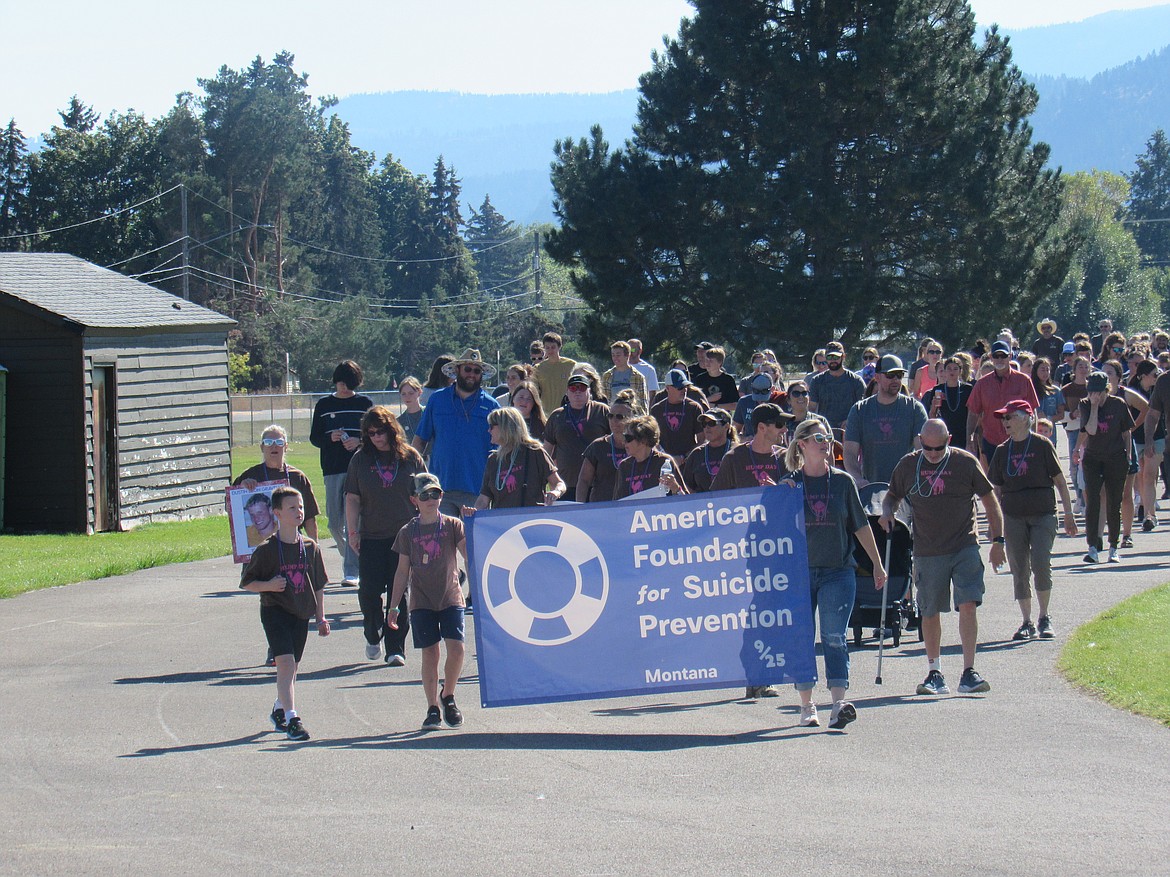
(48, 231)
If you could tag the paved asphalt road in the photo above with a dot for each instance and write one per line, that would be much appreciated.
(133, 713)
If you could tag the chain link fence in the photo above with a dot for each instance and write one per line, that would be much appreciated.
(293, 411)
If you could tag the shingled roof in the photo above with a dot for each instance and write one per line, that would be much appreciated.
(79, 292)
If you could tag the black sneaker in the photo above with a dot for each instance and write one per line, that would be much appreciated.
(1026, 632)
(278, 722)
(842, 715)
(270, 660)
(972, 683)
(433, 720)
(1046, 631)
(934, 683)
(295, 730)
(1148, 525)
(451, 714)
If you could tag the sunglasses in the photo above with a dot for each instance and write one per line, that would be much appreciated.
(613, 416)
(471, 370)
(1000, 356)
(431, 493)
(381, 430)
(800, 394)
(820, 362)
(1118, 349)
(869, 357)
(934, 449)
(935, 352)
(578, 388)
(819, 438)
(273, 442)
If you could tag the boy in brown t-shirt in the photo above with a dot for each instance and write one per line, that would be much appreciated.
(430, 546)
(287, 571)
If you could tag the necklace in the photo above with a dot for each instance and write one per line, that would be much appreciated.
(301, 557)
(462, 406)
(386, 475)
(577, 421)
(283, 470)
(707, 459)
(933, 486)
(430, 549)
(1022, 466)
(761, 469)
(613, 454)
(947, 397)
(504, 480)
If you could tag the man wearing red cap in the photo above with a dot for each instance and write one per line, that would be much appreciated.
(992, 392)
(1025, 469)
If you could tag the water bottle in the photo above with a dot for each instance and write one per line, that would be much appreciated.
(667, 469)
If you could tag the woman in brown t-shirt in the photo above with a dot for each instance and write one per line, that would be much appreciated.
(519, 473)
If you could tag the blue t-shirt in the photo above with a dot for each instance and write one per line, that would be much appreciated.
(457, 429)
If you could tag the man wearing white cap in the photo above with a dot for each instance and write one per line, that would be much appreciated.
(455, 420)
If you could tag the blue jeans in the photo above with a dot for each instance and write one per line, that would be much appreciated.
(335, 512)
(833, 590)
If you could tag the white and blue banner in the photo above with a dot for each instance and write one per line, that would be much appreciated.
(626, 598)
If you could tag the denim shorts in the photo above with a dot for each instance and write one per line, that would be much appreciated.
(1159, 447)
(429, 626)
(935, 575)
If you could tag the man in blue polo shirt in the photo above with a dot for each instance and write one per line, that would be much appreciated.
(455, 420)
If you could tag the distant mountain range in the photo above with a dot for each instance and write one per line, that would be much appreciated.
(501, 145)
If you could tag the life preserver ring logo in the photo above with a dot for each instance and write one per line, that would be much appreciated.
(545, 582)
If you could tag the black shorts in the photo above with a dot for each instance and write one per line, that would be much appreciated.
(286, 633)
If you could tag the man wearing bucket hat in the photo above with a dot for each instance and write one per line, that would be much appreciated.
(1049, 344)
(455, 421)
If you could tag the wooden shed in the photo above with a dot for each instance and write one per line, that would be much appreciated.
(117, 402)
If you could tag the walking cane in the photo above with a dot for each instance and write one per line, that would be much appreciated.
(885, 591)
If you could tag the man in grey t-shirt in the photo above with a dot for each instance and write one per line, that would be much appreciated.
(833, 392)
(884, 428)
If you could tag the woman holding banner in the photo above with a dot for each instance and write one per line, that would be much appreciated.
(519, 472)
(832, 517)
(641, 469)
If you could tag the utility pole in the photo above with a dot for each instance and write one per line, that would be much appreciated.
(536, 265)
(186, 252)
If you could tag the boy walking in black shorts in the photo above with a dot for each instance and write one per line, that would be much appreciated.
(429, 547)
(287, 571)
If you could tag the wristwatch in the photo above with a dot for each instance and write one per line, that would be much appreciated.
(999, 540)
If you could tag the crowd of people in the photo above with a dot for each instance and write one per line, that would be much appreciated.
(951, 428)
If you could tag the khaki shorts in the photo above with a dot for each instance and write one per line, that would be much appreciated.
(935, 576)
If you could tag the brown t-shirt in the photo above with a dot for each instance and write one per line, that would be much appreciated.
(605, 457)
(295, 478)
(512, 481)
(1160, 395)
(634, 477)
(432, 552)
(383, 488)
(1024, 471)
(301, 565)
(570, 432)
(678, 425)
(1113, 421)
(743, 467)
(702, 465)
(943, 499)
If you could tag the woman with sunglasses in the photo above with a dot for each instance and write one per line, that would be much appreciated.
(599, 467)
(572, 427)
(796, 401)
(641, 468)
(833, 516)
(1113, 349)
(272, 467)
(526, 399)
(702, 464)
(869, 359)
(927, 376)
(378, 486)
(519, 473)
(820, 363)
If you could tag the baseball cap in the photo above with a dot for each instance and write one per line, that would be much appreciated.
(1001, 347)
(761, 384)
(767, 412)
(426, 481)
(1098, 381)
(578, 380)
(678, 379)
(716, 415)
(890, 364)
(1014, 406)
(1069, 347)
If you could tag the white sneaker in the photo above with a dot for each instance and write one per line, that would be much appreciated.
(1092, 556)
(373, 651)
(1114, 557)
(808, 716)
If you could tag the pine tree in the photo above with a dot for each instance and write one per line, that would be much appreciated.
(501, 256)
(1149, 199)
(13, 184)
(804, 170)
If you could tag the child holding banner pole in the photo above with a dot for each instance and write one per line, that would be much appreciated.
(832, 516)
(429, 547)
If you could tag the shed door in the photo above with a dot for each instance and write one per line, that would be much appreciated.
(105, 450)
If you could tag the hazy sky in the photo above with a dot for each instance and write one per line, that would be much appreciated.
(137, 54)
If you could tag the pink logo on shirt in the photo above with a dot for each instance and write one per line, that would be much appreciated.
(673, 422)
(295, 574)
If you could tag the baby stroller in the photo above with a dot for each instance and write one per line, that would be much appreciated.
(867, 607)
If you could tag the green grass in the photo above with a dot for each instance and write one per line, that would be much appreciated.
(33, 562)
(1122, 655)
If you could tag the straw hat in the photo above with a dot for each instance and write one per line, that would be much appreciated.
(1047, 321)
(470, 357)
